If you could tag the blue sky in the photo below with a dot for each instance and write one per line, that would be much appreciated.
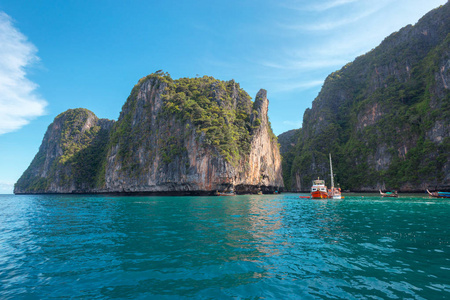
(56, 55)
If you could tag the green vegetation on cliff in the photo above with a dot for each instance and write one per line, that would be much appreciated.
(218, 111)
(72, 139)
(384, 117)
(71, 154)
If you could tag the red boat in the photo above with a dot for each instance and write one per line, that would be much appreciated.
(319, 190)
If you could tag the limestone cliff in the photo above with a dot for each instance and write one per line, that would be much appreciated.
(186, 136)
(70, 156)
(384, 117)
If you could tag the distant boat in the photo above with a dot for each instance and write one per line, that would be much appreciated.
(389, 194)
(230, 193)
(439, 194)
(333, 193)
(319, 190)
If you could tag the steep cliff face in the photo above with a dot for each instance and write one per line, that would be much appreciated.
(288, 140)
(186, 136)
(70, 156)
(384, 117)
(263, 168)
(192, 135)
(288, 145)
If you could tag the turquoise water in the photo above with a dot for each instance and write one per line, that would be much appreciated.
(270, 246)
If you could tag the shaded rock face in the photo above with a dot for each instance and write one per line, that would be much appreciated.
(159, 145)
(69, 156)
(384, 117)
(288, 140)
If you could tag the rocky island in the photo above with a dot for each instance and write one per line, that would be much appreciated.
(185, 136)
(385, 117)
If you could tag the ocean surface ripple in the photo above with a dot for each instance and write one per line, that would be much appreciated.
(250, 247)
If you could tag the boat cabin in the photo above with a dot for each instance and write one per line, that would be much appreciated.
(318, 185)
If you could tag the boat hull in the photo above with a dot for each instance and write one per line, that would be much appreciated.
(319, 195)
(443, 195)
(334, 193)
(389, 195)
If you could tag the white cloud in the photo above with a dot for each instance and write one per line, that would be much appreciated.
(19, 102)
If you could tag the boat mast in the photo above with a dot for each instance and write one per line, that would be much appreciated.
(332, 179)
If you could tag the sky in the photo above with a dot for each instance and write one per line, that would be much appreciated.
(57, 55)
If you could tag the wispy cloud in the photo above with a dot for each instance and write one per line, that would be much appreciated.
(297, 85)
(304, 64)
(338, 17)
(317, 6)
(333, 24)
(19, 102)
(332, 37)
(330, 4)
(294, 124)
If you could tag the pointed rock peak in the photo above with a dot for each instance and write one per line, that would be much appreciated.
(261, 95)
(260, 109)
(261, 103)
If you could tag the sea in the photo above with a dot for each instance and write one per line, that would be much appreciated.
(243, 247)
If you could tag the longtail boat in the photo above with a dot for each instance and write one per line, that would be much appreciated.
(389, 194)
(230, 193)
(439, 194)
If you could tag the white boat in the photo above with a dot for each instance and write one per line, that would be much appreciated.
(333, 193)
